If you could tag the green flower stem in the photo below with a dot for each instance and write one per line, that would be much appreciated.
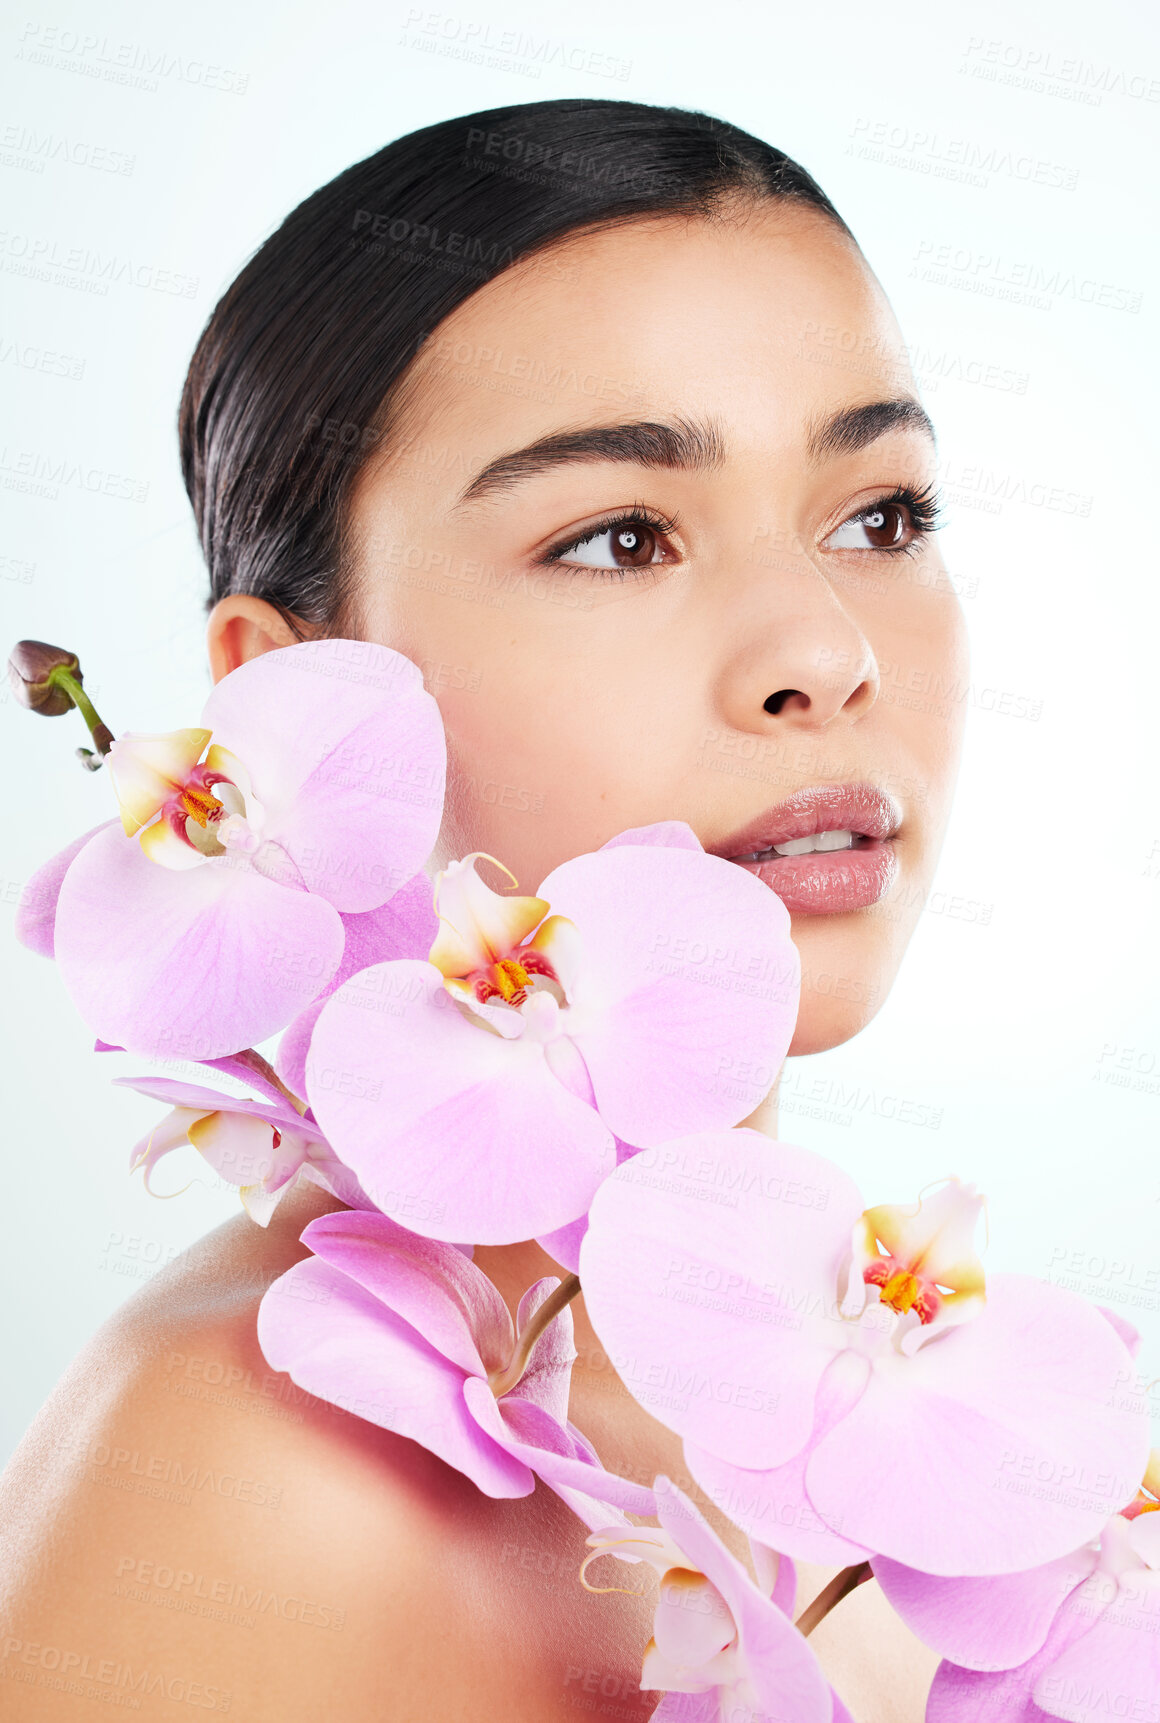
(839, 1587)
(63, 679)
(503, 1381)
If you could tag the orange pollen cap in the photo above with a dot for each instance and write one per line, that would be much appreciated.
(199, 804)
(508, 977)
(902, 1291)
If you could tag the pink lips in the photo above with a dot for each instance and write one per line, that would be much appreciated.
(828, 882)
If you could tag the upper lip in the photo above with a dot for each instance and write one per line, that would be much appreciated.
(860, 808)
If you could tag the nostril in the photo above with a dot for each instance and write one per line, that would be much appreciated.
(776, 701)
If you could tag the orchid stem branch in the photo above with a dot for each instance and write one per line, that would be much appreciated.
(264, 1068)
(98, 729)
(503, 1381)
(839, 1587)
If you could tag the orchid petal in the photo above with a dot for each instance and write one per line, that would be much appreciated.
(477, 925)
(162, 846)
(239, 1066)
(345, 751)
(563, 1244)
(662, 1252)
(558, 941)
(960, 1695)
(549, 1449)
(1129, 1334)
(260, 1203)
(432, 1286)
(191, 965)
(147, 769)
(548, 1375)
(774, 1504)
(988, 1624)
(339, 1341)
(1144, 1538)
(478, 1139)
(779, 1666)
(170, 1133)
(1114, 1668)
(240, 1149)
(404, 926)
(36, 911)
(933, 1239)
(1025, 1401)
(665, 834)
(687, 999)
(276, 1111)
(692, 1622)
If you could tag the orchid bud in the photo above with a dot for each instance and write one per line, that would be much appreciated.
(30, 667)
(48, 679)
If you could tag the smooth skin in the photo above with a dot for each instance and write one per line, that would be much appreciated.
(579, 700)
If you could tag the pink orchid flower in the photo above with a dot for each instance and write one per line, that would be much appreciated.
(645, 988)
(844, 1382)
(264, 1147)
(212, 913)
(404, 926)
(1078, 1638)
(411, 1335)
(722, 1648)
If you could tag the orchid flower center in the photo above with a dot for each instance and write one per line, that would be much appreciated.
(922, 1261)
(498, 952)
(901, 1290)
(181, 808)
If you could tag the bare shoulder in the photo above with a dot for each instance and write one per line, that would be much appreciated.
(182, 1523)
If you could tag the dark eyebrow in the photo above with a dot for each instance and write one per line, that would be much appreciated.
(854, 428)
(645, 443)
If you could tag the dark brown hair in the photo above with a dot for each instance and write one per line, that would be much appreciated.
(291, 381)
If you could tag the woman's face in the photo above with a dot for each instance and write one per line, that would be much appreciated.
(695, 602)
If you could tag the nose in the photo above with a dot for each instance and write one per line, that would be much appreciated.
(797, 659)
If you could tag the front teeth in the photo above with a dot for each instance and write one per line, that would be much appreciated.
(818, 841)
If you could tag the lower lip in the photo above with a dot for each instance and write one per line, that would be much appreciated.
(830, 882)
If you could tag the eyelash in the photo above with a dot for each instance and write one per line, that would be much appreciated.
(640, 514)
(922, 505)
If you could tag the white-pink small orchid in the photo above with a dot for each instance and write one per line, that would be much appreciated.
(722, 1647)
(644, 989)
(212, 913)
(264, 1147)
(854, 1388)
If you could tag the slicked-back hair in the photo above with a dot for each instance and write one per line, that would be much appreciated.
(291, 384)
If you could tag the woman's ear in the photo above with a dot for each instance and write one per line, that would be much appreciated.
(242, 627)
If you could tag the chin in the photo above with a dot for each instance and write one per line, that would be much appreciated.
(826, 1024)
(848, 967)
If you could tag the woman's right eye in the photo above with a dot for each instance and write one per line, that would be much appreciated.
(626, 543)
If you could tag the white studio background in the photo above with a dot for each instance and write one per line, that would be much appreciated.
(995, 167)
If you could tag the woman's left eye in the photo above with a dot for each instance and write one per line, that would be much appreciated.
(886, 525)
